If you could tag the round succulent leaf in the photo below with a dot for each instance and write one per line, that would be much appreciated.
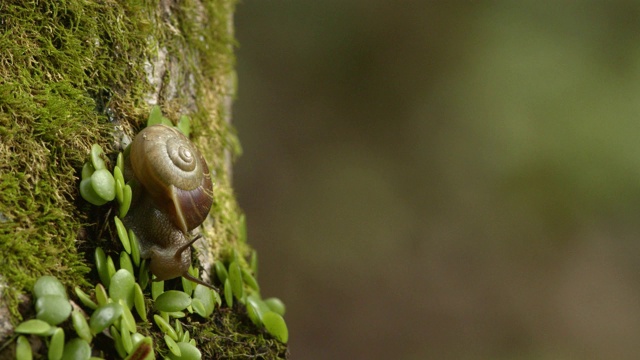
(155, 116)
(138, 301)
(177, 314)
(205, 295)
(33, 326)
(235, 255)
(276, 326)
(257, 301)
(276, 305)
(56, 345)
(185, 337)
(117, 341)
(111, 269)
(127, 195)
(118, 176)
(101, 295)
(136, 338)
(53, 309)
(23, 349)
(221, 271)
(119, 191)
(104, 184)
(173, 347)
(122, 287)
(165, 316)
(122, 234)
(87, 170)
(125, 336)
(104, 316)
(195, 272)
(187, 285)
(165, 327)
(199, 308)
(101, 266)
(184, 125)
(254, 313)
(81, 326)
(76, 349)
(127, 318)
(85, 299)
(235, 277)
(178, 328)
(157, 288)
(125, 262)
(188, 352)
(120, 161)
(96, 157)
(228, 293)
(135, 248)
(143, 274)
(250, 280)
(217, 298)
(257, 306)
(88, 193)
(49, 285)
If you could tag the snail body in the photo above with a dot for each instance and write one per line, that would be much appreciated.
(173, 194)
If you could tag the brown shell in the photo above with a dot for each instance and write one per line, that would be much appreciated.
(174, 173)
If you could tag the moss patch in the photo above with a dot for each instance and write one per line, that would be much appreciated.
(234, 336)
(61, 62)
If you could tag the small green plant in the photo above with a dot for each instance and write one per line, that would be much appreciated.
(240, 283)
(118, 304)
(53, 308)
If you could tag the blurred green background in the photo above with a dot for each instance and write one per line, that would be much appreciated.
(444, 180)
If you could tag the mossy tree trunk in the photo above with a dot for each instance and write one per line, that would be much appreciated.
(78, 72)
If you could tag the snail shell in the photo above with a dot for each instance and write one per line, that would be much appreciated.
(173, 194)
(174, 173)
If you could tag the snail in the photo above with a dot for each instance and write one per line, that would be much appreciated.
(172, 195)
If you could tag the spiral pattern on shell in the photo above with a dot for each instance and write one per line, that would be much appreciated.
(174, 173)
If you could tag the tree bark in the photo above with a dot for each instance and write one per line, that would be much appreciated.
(73, 73)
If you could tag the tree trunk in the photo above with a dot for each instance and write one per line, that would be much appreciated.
(77, 72)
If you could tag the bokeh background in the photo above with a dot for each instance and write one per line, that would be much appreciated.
(444, 179)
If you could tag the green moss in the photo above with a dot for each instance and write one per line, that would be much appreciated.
(60, 63)
(234, 336)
